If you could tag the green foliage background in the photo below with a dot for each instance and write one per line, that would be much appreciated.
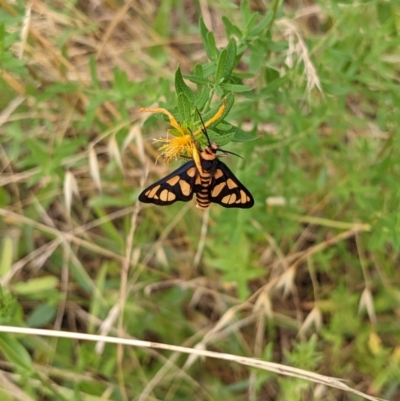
(309, 277)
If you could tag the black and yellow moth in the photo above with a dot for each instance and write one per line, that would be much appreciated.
(207, 177)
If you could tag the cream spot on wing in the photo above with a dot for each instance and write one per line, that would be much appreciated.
(243, 197)
(191, 172)
(248, 199)
(231, 184)
(217, 189)
(185, 188)
(198, 180)
(232, 199)
(225, 199)
(219, 173)
(164, 195)
(172, 181)
(167, 196)
(153, 191)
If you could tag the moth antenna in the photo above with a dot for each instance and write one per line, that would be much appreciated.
(232, 153)
(204, 130)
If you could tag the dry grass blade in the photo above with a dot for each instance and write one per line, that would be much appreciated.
(255, 363)
(37, 255)
(6, 113)
(313, 318)
(298, 51)
(367, 303)
(114, 153)
(136, 133)
(264, 305)
(70, 189)
(13, 178)
(286, 281)
(68, 235)
(25, 30)
(12, 390)
(94, 167)
(106, 326)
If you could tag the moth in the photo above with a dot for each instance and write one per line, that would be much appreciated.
(206, 176)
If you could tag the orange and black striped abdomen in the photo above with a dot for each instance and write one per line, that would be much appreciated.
(205, 169)
(203, 190)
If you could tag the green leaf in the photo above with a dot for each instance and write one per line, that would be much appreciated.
(8, 307)
(221, 66)
(56, 89)
(230, 59)
(220, 137)
(257, 30)
(198, 70)
(36, 285)
(229, 101)
(271, 74)
(209, 69)
(218, 91)
(182, 88)
(245, 12)
(185, 107)
(197, 80)
(231, 133)
(202, 99)
(41, 315)
(384, 11)
(16, 354)
(2, 36)
(243, 136)
(236, 88)
(231, 29)
(5, 198)
(250, 25)
(212, 45)
(198, 73)
(160, 24)
(208, 41)
(6, 255)
(93, 72)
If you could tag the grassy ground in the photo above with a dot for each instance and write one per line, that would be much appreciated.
(308, 278)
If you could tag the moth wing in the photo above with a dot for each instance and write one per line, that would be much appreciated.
(177, 186)
(228, 191)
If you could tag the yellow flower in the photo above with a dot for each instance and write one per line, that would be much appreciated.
(183, 143)
(177, 146)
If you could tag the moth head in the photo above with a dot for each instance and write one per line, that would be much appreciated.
(215, 147)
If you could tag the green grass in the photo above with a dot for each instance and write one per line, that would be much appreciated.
(308, 278)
